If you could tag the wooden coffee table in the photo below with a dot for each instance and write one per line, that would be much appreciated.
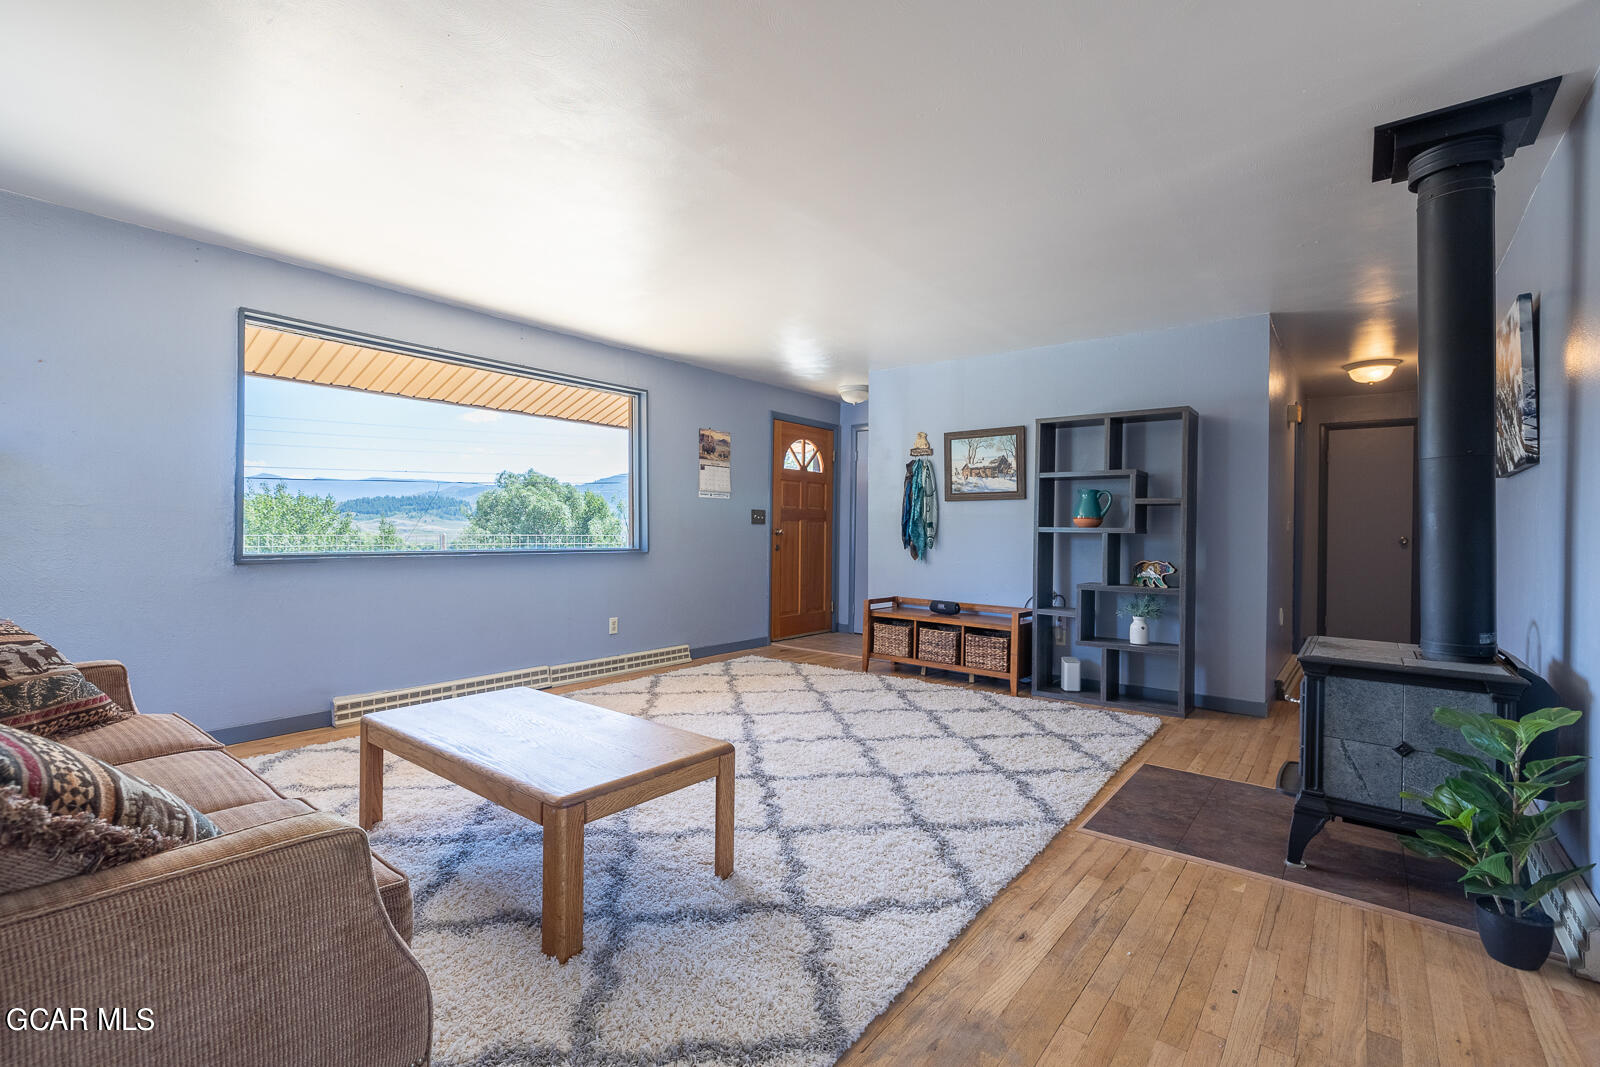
(556, 761)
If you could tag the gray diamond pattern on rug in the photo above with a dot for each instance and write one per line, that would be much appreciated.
(876, 815)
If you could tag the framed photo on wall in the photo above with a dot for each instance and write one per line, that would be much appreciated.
(1516, 389)
(986, 464)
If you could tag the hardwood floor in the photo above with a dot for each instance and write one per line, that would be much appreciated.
(843, 644)
(1103, 952)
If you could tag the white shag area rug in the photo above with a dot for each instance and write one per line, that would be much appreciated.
(876, 814)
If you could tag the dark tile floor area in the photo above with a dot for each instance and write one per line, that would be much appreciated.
(1247, 827)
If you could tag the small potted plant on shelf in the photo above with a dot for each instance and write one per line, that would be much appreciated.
(1489, 824)
(1140, 609)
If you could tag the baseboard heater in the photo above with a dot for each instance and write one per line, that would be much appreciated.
(349, 709)
(1574, 908)
(1289, 678)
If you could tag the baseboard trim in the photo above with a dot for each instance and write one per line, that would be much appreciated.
(729, 646)
(233, 735)
(255, 731)
(1255, 709)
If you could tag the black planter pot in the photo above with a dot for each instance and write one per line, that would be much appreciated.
(1523, 943)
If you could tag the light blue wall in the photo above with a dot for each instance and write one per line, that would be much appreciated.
(1549, 516)
(1283, 389)
(118, 370)
(983, 552)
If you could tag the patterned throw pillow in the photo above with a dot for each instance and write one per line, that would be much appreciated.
(37, 848)
(41, 691)
(67, 781)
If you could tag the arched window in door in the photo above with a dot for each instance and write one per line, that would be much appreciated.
(803, 455)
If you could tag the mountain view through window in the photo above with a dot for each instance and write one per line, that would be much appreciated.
(399, 463)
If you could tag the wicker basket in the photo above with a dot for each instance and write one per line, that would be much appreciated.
(939, 644)
(987, 652)
(891, 639)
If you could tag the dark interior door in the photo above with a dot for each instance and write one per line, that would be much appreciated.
(802, 529)
(1369, 532)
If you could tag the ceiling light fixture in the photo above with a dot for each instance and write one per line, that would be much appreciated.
(1370, 371)
(853, 394)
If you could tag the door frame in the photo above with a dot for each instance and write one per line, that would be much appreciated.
(1322, 517)
(855, 480)
(1297, 586)
(772, 509)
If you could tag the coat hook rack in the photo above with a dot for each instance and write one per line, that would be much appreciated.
(921, 447)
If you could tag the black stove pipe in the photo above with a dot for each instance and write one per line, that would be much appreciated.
(1449, 158)
(1454, 183)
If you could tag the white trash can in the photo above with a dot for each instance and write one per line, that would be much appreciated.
(1071, 674)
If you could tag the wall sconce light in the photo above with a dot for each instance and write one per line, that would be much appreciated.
(853, 394)
(1370, 371)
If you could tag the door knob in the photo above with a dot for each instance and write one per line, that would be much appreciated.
(775, 533)
(1404, 541)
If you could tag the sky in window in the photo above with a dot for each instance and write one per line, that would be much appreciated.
(299, 430)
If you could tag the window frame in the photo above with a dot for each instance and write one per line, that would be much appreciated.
(638, 475)
(815, 457)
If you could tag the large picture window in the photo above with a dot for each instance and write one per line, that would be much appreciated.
(350, 445)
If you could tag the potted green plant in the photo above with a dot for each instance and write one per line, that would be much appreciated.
(1490, 822)
(1142, 609)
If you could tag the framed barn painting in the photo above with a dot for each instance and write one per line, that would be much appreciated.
(986, 464)
(1516, 390)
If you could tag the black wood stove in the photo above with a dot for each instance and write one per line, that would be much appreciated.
(1366, 726)
(1367, 730)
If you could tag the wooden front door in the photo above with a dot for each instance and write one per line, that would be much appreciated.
(802, 529)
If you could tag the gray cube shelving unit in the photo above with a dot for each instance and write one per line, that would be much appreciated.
(1132, 455)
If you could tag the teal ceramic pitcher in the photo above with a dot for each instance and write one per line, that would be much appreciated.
(1092, 507)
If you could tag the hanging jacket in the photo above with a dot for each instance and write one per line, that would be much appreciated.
(919, 508)
(907, 502)
(919, 530)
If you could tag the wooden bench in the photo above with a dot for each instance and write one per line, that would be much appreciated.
(1016, 623)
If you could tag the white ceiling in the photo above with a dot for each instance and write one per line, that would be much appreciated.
(791, 191)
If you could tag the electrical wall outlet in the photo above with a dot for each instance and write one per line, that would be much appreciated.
(613, 628)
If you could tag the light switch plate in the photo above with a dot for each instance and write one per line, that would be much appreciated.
(758, 517)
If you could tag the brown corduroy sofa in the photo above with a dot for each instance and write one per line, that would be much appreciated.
(284, 941)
